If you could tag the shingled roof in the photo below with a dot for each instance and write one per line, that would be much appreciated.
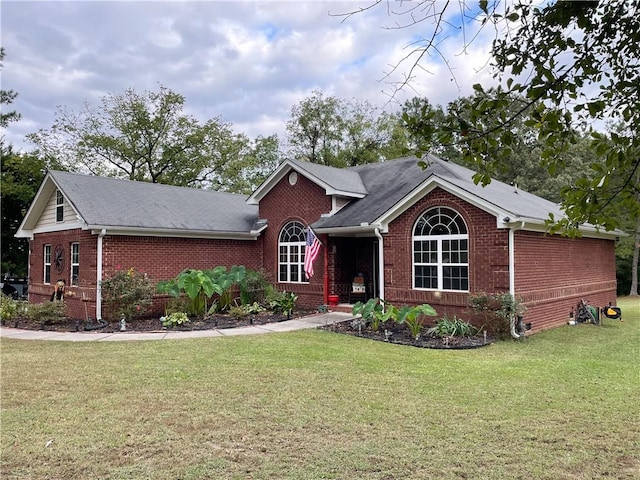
(395, 182)
(141, 207)
(378, 193)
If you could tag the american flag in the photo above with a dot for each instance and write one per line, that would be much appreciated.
(311, 253)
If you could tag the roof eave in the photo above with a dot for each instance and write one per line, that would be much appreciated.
(360, 230)
(175, 233)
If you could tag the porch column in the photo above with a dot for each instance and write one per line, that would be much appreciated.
(380, 262)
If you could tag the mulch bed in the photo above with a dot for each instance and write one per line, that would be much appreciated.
(391, 332)
(153, 324)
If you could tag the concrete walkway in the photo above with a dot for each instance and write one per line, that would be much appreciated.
(311, 321)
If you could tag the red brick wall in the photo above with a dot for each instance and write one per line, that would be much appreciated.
(488, 256)
(304, 202)
(161, 258)
(553, 273)
(41, 292)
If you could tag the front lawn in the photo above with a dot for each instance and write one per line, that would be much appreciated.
(314, 404)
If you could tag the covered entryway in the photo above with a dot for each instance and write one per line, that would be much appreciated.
(354, 258)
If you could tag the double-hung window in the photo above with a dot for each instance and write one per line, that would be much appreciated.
(75, 263)
(47, 264)
(291, 250)
(441, 251)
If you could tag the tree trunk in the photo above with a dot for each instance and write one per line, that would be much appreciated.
(634, 265)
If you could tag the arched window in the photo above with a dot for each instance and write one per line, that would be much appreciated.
(291, 248)
(441, 251)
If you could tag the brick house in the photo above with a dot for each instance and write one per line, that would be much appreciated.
(411, 235)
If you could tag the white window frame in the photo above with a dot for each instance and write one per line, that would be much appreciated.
(291, 252)
(75, 264)
(446, 225)
(59, 206)
(46, 271)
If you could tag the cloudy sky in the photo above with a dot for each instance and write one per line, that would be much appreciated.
(244, 61)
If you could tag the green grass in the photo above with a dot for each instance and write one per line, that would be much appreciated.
(316, 405)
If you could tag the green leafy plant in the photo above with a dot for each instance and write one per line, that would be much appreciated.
(253, 287)
(197, 285)
(200, 285)
(46, 312)
(248, 309)
(284, 302)
(8, 308)
(413, 316)
(455, 327)
(375, 312)
(496, 311)
(175, 319)
(127, 293)
(228, 281)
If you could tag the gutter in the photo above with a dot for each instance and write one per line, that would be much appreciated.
(103, 232)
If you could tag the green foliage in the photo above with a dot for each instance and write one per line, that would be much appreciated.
(10, 309)
(446, 327)
(497, 311)
(332, 131)
(253, 286)
(413, 317)
(6, 98)
(200, 286)
(573, 66)
(21, 178)
(283, 302)
(46, 312)
(127, 293)
(375, 312)
(246, 309)
(197, 285)
(175, 319)
(148, 137)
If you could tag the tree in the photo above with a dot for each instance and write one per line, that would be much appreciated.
(576, 64)
(261, 159)
(6, 98)
(21, 178)
(143, 136)
(333, 131)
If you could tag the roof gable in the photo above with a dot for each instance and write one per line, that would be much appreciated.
(144, 208)
(335, 181)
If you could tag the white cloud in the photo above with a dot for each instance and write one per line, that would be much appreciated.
(247, 62)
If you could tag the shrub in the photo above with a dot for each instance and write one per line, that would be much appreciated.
(496, 311)
(46, 312)
(127, 293)
(8, 308)
(174, 319)
(253, 287)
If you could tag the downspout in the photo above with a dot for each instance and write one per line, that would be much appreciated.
(512, 274)
(99, 275)
(380, 262)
